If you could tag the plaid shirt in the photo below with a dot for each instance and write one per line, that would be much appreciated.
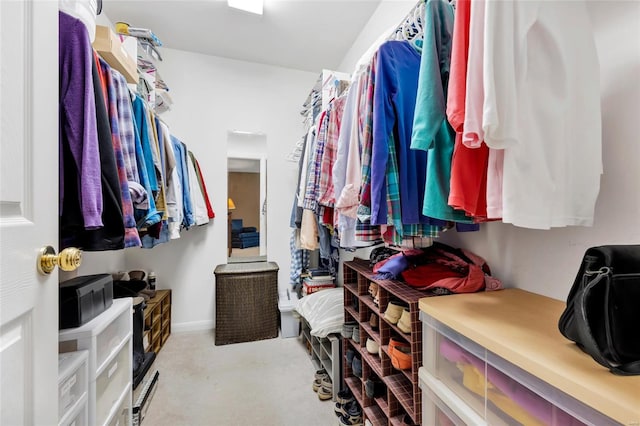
(299, 261)
(400, 234)
(131, 236)
(326, 192)
(364, 230)
(311, 192)
(366, 127)
(125, 125)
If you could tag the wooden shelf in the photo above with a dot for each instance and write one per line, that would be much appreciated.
(157, 320)
(521, 328)
(404, 395)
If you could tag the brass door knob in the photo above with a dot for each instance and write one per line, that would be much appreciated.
(69, 259)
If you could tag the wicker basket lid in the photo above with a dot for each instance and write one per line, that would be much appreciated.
(244, 268)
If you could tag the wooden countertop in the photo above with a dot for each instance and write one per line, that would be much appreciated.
(522, 328)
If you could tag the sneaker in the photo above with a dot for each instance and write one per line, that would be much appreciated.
(393, 312)
(373, 321)
(346, 420)
(353, 415)
(373, 289)
(349, 356)
(374, 388)
(318, 383)
(325, 393)
(347, 329)
(372, 346)
(342, 409)
(356, 334)
(345, 396)
(400, 354)
(356, 366)
(321, 373)
(404, 323)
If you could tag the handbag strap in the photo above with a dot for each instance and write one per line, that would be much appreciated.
(584, 330)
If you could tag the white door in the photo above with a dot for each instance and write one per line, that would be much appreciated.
(28, 211)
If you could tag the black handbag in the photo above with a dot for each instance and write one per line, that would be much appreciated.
(603, 308)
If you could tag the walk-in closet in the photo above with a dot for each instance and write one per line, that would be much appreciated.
(319, 212)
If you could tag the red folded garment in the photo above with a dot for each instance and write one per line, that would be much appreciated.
(423, 276)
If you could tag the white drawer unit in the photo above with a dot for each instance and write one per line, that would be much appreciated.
(79, 414)
(73, 382)
(108, 341)
(122, 414)
(497, 358)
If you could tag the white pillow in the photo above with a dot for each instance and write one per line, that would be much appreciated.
(323, 310)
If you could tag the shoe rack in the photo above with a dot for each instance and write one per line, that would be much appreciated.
(324, 353)
(157, 321)
(403, 395)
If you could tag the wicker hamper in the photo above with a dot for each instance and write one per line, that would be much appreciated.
(246, 302)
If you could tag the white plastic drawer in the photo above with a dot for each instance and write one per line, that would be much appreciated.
(79, 415)
(112, 336)
(433, 330)
(73, 381)
(111, 382)
(435, 412)
(102, 336)
(122, 415)
(552, 406)
(496, 390)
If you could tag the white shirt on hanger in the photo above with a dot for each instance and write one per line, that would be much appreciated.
(542, 105)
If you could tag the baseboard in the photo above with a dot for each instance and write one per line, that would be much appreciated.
(192, 326)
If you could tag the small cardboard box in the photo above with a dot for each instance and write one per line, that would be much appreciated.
(108, 45)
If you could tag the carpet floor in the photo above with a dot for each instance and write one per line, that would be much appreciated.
(263, 383)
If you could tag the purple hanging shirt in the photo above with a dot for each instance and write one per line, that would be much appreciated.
(77, 115)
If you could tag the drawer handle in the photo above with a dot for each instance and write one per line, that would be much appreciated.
(112, 370)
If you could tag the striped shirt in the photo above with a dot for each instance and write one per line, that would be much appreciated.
(326, 192)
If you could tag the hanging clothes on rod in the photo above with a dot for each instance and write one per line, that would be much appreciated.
(113, 185)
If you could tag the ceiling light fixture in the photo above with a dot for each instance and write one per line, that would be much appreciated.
(251, 6)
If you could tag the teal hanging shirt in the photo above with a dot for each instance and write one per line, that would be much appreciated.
(431, 130)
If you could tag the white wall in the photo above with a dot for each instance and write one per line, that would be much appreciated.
(103, 262)
(211, 96)
(545, 262)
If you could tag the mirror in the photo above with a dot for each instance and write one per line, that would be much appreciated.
(247, 197)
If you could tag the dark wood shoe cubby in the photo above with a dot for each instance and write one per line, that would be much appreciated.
(403, 395)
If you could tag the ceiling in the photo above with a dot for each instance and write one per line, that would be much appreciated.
(307, 35)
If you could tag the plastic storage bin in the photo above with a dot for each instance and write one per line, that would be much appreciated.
(122, 413)
(497, 391)
(79, 414)
(111, 383)
(104, 334)
(108, 340)
(73, 380)
(289, 323)
(436, 412)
